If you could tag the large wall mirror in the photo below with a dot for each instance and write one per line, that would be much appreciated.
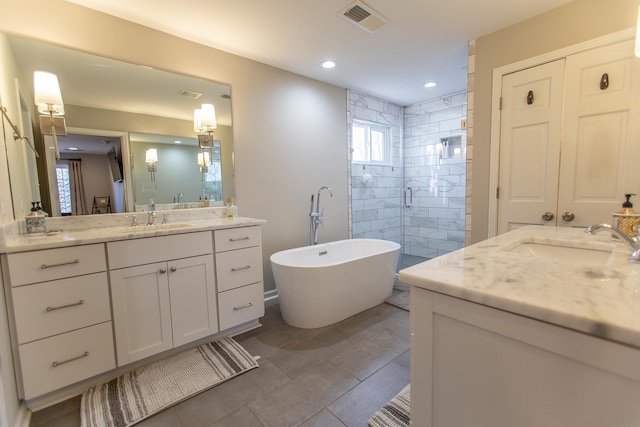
(115, 114)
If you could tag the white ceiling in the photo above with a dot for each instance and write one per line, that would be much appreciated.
(423, 40)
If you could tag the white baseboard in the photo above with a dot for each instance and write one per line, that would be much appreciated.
(270, 297)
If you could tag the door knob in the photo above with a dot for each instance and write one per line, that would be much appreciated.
(548, 216)
(568, 216)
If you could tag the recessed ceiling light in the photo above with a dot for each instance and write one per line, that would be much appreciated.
(72, 148)
(177, 142)
(430, 84)
(328, 64)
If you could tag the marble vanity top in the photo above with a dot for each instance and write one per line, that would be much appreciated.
(598, 295)
(87, 229)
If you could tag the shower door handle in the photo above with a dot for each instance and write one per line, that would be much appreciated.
(408, 201)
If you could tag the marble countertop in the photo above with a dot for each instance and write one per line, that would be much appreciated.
(72, 231)
(600, 297)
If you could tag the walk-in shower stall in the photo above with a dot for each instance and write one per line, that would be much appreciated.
(408, 171)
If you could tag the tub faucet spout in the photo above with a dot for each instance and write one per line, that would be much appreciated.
(318, 198)
(632, 242)
(316, 216)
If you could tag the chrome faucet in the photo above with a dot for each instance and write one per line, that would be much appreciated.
(633, 242)
(316, 216)
(177, 199)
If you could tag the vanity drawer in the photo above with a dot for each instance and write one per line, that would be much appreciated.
(237, 238)
(128, 253)
(238, 268)
(241, 305)
(51, 264)
(79, 355)
(51, 308)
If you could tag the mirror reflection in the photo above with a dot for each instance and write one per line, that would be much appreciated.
(114, 113)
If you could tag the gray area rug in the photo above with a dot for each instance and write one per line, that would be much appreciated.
(396, 413)
(400, 300)
(144, 391)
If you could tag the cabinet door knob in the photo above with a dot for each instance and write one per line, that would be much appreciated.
(163, 270)
(172, 269)
(548, 216)
(568, 216)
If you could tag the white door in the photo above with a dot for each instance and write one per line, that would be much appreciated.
(601, 146)
(141, 311)
(192, 289)
(531, 129)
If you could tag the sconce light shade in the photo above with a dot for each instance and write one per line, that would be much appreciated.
(208, 117)
(203, 158)
(637, 47)
(48, 97)
(197, 120)
(204, 118)
(151, 156)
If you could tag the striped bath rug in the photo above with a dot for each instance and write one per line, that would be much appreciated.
(395, 413)
(147, 390)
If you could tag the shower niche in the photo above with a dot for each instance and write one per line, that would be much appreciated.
(450, 147)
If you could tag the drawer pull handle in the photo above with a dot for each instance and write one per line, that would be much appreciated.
(66, 305)
(246, 267)
(242, 307)
(237, 239)
(75, 261)
(85, 354)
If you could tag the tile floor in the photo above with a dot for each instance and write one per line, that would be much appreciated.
(328, 377)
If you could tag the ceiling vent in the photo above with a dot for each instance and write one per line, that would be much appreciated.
(364, 17)
(190, 94)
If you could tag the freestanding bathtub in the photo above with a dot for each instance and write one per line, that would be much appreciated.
(323, 284)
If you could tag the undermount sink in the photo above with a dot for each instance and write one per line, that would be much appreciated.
(156, 227)
(601, 254)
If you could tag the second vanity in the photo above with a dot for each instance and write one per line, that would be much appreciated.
(538, 326)
(87, 304)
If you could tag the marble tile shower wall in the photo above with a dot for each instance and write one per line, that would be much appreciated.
(376, 210)
(435, 224)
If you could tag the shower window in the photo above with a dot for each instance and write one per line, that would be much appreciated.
(371, 143)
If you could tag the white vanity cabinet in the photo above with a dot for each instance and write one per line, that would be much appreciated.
(163, 293)
(475, 365)
(61, 316)
(239, 275)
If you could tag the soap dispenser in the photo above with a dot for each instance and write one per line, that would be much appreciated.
(36, 220)
(627, 219)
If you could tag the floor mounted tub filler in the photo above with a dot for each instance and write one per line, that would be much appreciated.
(323, 284)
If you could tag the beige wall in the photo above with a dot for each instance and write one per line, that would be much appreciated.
(576, 22)
(289, 131)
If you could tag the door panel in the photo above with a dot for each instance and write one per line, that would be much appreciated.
(141, 311)
(530, 145)
(192, 288)
(601, 141)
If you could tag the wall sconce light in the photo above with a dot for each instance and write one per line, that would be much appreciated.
(151, 156)
(203, 161)
(16, 132)
(204, 122)
(48, 99)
